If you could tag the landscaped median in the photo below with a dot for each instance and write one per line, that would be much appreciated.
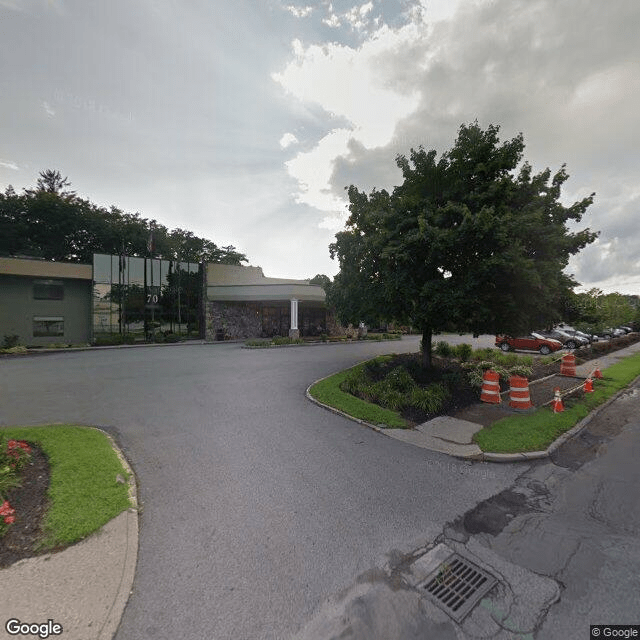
(538, 430)
(520, 433)
(88, 485)
(328, 392)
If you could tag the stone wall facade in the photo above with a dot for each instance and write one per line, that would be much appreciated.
(232, 320)
(239, 320)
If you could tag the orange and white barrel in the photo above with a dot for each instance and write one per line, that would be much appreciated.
(490, 387)
(568, 365)
(519, 393)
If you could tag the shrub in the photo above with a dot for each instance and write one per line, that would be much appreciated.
(10, 341)
(483, 354)
(399, 379)
(106, 339)
(430, 400)
(391, 398)
(172, 337)
(355, 381)
(258, 343)
(280, 340)
(463, 351)
(19, 349)
(443, 349)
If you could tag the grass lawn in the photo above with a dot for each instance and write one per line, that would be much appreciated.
(328, 392)
(83, 491)
(536, 431)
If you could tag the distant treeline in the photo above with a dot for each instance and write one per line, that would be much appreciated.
(52, 222)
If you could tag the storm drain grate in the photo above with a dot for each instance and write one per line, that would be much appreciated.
(457, 585)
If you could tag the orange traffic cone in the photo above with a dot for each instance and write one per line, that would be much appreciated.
(588, 385)
(597, 374)
(557, 401)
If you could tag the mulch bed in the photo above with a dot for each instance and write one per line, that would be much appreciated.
(465, 400)
(31, 503)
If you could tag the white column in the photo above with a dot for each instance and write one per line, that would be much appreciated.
(294, 314)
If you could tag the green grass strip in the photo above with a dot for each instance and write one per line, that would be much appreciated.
(536, 431)
(328, 392)
(83, 491)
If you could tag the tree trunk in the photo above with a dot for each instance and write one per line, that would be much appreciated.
(426, 347)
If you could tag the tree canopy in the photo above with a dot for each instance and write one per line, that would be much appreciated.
(52, 222)
(594, 311)
(463, 244)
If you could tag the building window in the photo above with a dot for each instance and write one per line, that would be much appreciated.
(48, 290)
(48, 327)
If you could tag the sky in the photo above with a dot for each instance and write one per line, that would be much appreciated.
(244, 121)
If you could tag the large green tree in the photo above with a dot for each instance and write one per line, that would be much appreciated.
(51, 222)
(464, 243)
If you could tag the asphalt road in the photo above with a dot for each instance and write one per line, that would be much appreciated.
(256, 504)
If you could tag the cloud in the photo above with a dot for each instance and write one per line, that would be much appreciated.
(313, 169)
(356, 87)
(299, 12)
(357, 17)
(48, 109)
(287, 140)
(565, 75)
(8, 164)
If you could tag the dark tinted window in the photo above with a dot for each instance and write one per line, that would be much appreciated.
(48, 290)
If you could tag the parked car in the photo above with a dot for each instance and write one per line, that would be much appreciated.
(532, 342)
(569, 341)
(625, 328)
(590, 337)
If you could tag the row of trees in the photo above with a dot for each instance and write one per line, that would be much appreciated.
(52, 222)
(463, 244)
(595, 311)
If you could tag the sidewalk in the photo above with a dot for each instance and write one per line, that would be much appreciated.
(454, 436)
(84, 588)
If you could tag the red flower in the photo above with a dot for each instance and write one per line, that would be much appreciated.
(6, 509)
(9, 519)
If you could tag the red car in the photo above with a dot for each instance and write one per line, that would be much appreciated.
(532, 342)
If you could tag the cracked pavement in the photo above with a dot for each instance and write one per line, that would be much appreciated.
(259, 508)
(563, 539)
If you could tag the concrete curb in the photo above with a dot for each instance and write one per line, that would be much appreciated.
(85, 587)
(525, 456)
(124, 590)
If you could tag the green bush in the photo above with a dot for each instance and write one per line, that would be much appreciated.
(356, 381)
(107, 339)
(443, 349)
(18, 349)
(463, 351)
(388, 397)
(430, 400)
(281, 340)
(171, 337)
(258, 343)
(10, 341)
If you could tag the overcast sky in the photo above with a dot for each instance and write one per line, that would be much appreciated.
(244, 121)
